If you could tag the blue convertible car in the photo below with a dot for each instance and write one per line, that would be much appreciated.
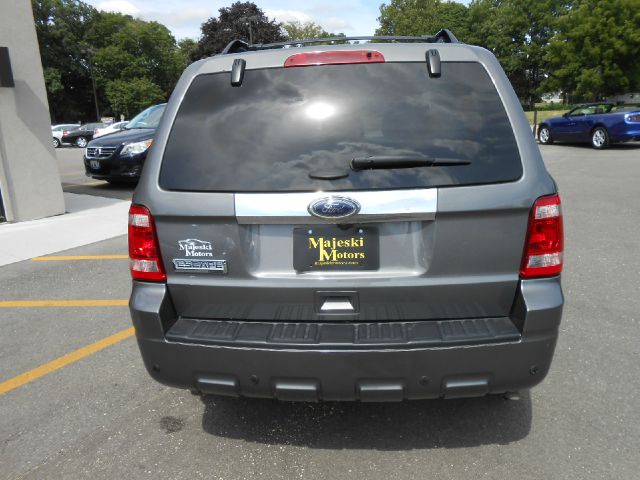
(596, 123)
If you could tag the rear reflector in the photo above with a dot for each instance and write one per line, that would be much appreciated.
(333, 58)
(144, 249)
(545, 242)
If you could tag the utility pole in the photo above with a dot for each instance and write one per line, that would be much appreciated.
(90, 52)
(248, 20)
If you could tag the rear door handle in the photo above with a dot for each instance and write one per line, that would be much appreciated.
(336, 302)
(333, 304)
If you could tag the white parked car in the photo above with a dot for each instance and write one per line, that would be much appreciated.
(114, 127)
(61, 129)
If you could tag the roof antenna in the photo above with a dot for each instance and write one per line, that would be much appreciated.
(433, 62)
(237, 72)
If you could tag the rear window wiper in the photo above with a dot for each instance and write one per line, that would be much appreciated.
(387, 162)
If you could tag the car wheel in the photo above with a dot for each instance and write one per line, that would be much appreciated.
(544, 135)
(81, 142)
(599, 138)
(56, 142)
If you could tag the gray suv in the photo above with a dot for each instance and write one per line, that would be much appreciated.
(366, 221)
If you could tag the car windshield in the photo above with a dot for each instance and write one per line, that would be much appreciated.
(149, 118)
(592, 109)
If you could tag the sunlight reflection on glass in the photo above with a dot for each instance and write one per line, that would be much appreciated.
(320, 111)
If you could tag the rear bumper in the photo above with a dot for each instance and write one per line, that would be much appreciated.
(628, 134)
(470, 366)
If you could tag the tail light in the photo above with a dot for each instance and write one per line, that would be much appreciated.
(144, 249)
(544, 244)
(309, 59)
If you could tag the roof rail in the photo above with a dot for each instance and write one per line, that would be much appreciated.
(235, 46)
(443, 36)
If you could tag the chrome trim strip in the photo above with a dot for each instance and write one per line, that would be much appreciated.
(377, 206)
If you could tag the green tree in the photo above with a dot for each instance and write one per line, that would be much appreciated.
(518, 32)
(61, 27)
(299, 31)
(125, 53)
(233, 23)
(133, 54)
(53, 80)
(129, 97)
(422, 17)
(140, 49)
(596, 52)
(104, 26)
(187, 47)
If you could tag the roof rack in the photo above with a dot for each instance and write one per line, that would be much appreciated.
(237, 46)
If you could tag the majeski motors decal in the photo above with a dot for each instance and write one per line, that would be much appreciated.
(192, 247)
(203, 261)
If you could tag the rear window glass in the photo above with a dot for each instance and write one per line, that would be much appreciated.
(284, 124)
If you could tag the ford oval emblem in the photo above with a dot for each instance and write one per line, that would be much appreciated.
(333, 207)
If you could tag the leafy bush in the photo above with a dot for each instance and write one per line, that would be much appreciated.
(546, 106)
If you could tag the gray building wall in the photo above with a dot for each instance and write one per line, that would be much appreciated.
(29, 179)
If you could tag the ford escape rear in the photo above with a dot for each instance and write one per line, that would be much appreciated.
(346, 222)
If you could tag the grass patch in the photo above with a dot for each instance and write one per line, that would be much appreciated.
(543, 115)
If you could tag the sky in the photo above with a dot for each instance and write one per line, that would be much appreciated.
(184, 17)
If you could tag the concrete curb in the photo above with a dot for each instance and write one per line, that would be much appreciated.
(89, 219)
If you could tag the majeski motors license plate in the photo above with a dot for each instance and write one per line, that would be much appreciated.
(327, 248)
(95, 164)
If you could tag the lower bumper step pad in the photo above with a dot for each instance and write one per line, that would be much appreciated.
(275, 335)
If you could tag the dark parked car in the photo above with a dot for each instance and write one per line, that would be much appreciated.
(81, 135)
(365, 222)
(599, 124)
(118, 157)
(58, 131)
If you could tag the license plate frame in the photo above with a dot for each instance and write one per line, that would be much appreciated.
(94, 164)
(348, 249)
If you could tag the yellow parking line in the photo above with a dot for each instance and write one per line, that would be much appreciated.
(79, 257)
(62, 303)
(64, 360)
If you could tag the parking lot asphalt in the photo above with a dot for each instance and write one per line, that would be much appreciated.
(75, 401)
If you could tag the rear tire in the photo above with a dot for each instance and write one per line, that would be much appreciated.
(81, 142)
(599, 138)
(544, 135)
(56, 142)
